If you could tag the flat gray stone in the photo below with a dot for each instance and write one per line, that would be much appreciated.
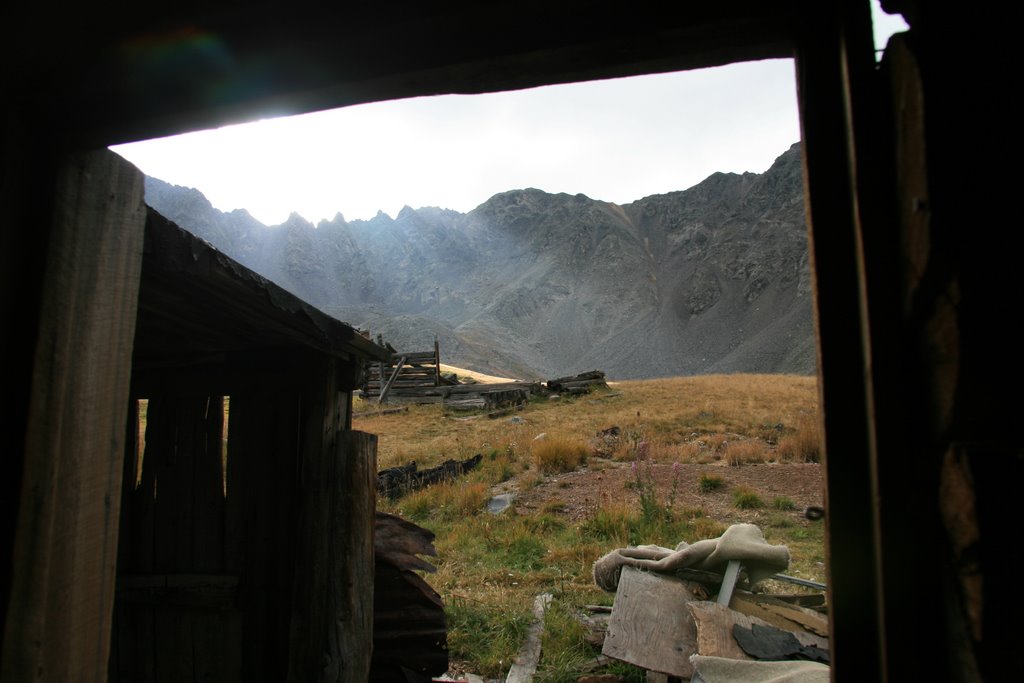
(500, 503)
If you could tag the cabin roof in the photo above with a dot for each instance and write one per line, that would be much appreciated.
(196, 305)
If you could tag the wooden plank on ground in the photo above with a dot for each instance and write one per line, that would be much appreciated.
(714, 625)
(525, 663)
(650, 626)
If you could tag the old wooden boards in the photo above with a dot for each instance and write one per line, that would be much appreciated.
(410, 636)
(650, 625)
(525, 663)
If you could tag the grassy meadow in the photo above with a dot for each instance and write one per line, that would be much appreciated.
(490, 567)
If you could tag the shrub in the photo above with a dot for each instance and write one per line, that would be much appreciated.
(709, 483)
(803, 444)
(746, 498)
(783, 503)
(558, 454)
(742, 452)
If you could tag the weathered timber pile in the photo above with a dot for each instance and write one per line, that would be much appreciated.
(410, 634)
(487, 399)
(582, 383)
(397, 481)
(466, 396)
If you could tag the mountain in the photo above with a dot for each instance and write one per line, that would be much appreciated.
(713, 279)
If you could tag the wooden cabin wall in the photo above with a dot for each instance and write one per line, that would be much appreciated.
(58, 616)
(262, 571)
(177, 581)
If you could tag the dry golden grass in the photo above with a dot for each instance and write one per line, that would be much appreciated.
(804, 444)
(689, 419)
(742, 452)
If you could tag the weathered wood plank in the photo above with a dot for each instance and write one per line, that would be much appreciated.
(784, 616)
(59, 615)
(387, 385)
(181, 590)
(526, 660)
(650, 626)
(714, 625)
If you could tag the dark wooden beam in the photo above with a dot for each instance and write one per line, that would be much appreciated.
(857, 639)
(58, 621)
(155, 71)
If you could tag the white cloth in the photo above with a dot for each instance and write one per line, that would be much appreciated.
(743, 542)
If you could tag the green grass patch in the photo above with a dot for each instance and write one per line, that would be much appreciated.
(783, 503)
(746, 498)
(709, 483)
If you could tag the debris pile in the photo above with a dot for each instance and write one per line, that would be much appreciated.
(689, 613)
(410, 634)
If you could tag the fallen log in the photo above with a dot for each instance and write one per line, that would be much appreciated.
(395, 482)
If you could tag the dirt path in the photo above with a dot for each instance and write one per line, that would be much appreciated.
(580, 493)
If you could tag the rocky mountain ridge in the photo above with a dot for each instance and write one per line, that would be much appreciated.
(713, 279)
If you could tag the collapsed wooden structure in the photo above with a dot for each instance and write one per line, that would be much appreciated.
(402, 375)
(909, 292)
(415, 377)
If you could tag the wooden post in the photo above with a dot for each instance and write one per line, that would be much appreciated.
(835, 80)
(332, 607)
(437, 363)
(58, 621)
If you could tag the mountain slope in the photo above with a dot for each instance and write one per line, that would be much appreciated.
(714, 279)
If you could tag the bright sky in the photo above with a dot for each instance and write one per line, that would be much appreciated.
(615, 140)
